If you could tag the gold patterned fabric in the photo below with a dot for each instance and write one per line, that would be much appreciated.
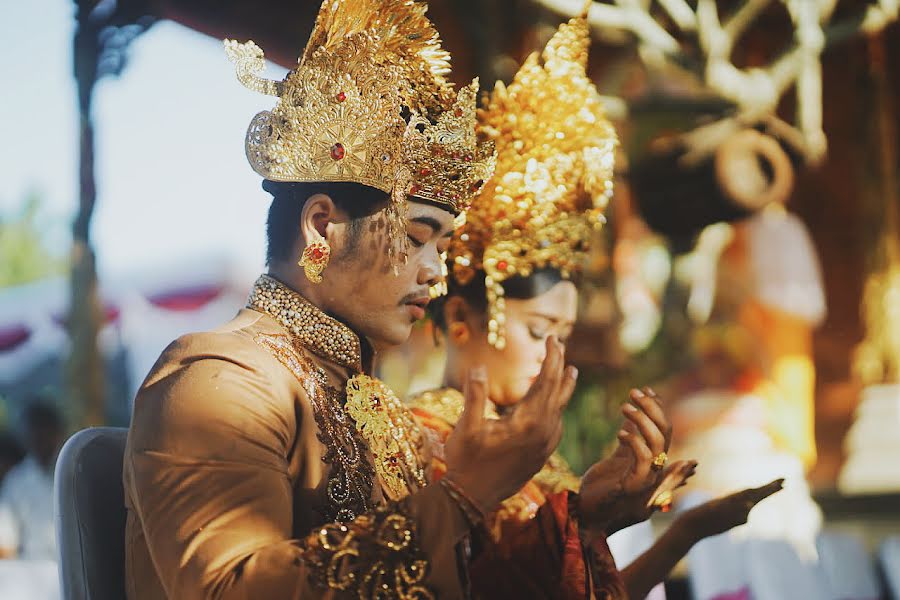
(445, 403)
(374, 557)
(241, 452)
(554, 174)
(350, 481)
(367, 103)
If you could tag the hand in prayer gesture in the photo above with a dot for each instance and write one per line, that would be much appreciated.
(491, 459)
(620, 490)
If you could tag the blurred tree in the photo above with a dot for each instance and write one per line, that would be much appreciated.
(25, 255)
(104, 31)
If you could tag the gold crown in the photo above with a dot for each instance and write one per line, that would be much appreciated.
(554, 174)
(340, 112)
(450, 165)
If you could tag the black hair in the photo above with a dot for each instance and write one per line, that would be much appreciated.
(288, 198)
(42, 414)
(475, 293)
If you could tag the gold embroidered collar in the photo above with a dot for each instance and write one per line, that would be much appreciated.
(307, 324)
(448, 404)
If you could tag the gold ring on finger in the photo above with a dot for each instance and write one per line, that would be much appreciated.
(660, 460)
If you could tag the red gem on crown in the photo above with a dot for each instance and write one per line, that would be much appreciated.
(337, 151)
(341, 96)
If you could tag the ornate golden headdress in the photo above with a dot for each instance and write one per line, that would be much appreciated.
(368, 98)
(554, 173)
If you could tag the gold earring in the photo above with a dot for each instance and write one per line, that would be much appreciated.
(459, 332)
(315, 259)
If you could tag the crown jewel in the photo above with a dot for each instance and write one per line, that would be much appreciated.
(554, 173)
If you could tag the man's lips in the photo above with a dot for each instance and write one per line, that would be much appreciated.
(417, 306)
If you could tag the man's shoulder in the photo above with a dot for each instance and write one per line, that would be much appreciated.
(233, 342)
(217, 380)
(227, 360)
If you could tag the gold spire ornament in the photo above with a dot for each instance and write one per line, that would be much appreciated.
(367, 98)
(554, 173)
(449, 164)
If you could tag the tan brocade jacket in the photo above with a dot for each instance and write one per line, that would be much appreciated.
(240, 457)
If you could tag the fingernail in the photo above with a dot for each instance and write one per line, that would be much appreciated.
(650, 391)
(629, 408)
(637, 393)
(479, 373)
(573, 372)
(622, 434)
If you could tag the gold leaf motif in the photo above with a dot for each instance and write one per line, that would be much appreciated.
(391, 433)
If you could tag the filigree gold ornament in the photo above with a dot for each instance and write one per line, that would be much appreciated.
(554, 174)
(377, 555)
(390, 432)
(314, 259)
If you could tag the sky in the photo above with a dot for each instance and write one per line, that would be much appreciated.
(173, 183)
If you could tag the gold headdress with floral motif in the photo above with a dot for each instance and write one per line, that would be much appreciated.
(554, 174)
(369, 90)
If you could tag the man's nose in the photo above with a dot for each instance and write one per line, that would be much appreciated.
(431, 272)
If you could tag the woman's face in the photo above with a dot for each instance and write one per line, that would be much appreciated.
(528, 324)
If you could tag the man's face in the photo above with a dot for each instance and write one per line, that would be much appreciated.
(363, 289)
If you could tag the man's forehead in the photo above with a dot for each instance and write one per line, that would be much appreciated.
(430, 214)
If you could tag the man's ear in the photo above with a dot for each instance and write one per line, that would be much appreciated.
(317, 216)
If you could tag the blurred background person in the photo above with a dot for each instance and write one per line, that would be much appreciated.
(11, 453)
(26, 494)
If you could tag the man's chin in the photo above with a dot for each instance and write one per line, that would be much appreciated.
(388, 337)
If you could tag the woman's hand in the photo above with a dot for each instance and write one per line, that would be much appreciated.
(719, 515)
(620, 489)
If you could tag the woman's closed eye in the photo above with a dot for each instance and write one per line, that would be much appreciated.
(537, 334)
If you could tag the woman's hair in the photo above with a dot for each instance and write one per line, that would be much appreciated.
(475, 294)
(288, 199)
